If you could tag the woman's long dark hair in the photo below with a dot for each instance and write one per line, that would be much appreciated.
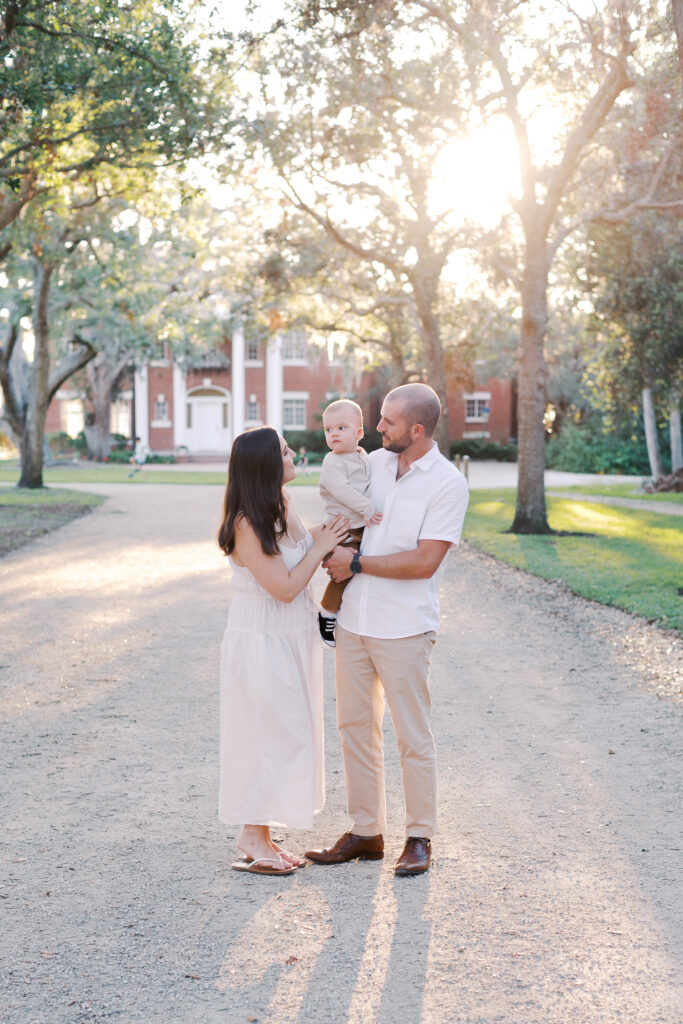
(254, 489)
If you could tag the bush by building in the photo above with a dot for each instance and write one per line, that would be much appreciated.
(593, 448)
(480, 449)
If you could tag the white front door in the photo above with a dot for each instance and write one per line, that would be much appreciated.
(209, 431)
(207, 425)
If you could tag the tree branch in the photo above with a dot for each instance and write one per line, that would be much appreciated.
(615, 82)
(10, 210)
(11, 411)
(647, 201)
(69, 364)
(372, 255)
(678, 28)
(504, 268)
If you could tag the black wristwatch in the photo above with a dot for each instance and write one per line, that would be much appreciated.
(355, 562)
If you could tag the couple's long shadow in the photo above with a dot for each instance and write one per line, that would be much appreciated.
(379, 936)
(347, 944)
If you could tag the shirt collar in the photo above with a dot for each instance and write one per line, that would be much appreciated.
(428, 460)
(425, 463)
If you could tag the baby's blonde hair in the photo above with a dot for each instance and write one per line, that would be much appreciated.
(347, 402)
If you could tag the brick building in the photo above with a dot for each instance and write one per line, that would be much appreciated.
(199, 406)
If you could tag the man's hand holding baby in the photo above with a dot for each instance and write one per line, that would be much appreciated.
(338, 563)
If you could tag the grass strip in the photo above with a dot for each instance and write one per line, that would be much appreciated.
(26, 515)
(631, 559)
(622, 491)
(113, 474)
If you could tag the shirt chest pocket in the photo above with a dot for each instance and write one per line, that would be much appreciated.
(406, 523)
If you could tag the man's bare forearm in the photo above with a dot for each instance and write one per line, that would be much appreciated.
(403, 565)
(417, 564)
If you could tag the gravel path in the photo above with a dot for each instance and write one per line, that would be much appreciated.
(555, 895)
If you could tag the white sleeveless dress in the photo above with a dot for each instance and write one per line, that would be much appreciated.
(271, 705)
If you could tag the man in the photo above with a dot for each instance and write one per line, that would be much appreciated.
(387, 626)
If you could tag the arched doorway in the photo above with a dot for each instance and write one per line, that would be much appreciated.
(207, 420)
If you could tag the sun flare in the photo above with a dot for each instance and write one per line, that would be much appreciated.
(474, 176)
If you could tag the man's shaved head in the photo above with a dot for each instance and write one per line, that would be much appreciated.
(418, 404)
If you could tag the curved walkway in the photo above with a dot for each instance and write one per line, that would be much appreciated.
(555, 894)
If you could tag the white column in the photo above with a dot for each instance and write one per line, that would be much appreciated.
(179, 417)
(141, 406)
(274, 382)
(238, 385)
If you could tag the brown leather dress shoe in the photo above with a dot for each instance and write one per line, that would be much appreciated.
(416, 857)
(348, 847)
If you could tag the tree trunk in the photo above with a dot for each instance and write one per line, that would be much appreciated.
(677, 6)
(98, 433)
(651, 438)
(32, 442)
(675, 429)
(12, 415)
(432, 353)
(530, 512)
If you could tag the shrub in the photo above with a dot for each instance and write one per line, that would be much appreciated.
(126, 454)
(311, 440)
(60, 443)
(79, 443)
(481, 448)
(371, 441)
(591, 448)
(120, 455)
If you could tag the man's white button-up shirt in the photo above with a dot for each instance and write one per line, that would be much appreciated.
(427, 503)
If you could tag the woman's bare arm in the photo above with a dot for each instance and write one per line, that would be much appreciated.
(270, 570)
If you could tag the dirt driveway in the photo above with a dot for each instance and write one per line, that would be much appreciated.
(555, 896)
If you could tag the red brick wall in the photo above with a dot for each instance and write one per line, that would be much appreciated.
(52, 421)
(317, 379)
(500, 426)
(255, 384)
(160, 382)
(218, 378)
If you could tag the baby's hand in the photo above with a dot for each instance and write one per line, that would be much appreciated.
(376, 519)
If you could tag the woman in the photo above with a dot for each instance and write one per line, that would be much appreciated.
(271, 668)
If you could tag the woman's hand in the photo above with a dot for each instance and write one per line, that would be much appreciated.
(332, 534)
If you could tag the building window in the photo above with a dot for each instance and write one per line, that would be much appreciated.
(294, 414)
(252, 351)
(477, 407)
(294, 347)
(71, 417)
(161, 408)
(252, 409)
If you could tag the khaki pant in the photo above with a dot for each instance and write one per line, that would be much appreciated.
(364, 667)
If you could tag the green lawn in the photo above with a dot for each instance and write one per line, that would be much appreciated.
(633, 559)
(25, 515)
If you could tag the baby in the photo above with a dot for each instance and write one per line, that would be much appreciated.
(345, 489)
